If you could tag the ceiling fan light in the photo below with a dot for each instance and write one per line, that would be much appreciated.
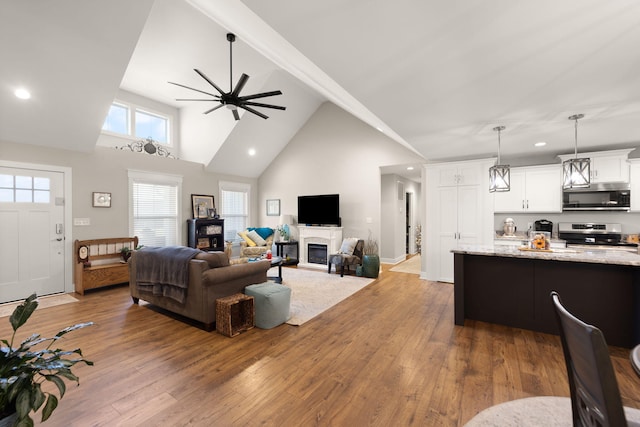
(499, 178)
(576, 173)
(232, 106)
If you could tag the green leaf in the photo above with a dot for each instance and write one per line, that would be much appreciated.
(37, 397)
(52, 403)
(23, 403)
(58, 382)
(25, 422)
(22, 312)
(73, 328)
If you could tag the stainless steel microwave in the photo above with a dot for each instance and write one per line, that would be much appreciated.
(598, 197)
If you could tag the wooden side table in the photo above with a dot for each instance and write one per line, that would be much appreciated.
(234, 314)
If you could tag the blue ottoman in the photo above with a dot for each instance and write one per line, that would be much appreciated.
(271, 302)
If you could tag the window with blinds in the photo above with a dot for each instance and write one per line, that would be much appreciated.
(154, 209)
(234, 208)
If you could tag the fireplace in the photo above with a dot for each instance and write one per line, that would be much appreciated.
(317, 254)
(316, 244)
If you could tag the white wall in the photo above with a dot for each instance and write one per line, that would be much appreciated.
(334, 152)
(105, 170)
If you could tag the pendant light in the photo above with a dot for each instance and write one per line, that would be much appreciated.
(499, 175)
(576, 172)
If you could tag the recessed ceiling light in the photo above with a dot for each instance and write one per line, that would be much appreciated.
(252, 152)
(540, 144)
(22, 93)
(410, 168)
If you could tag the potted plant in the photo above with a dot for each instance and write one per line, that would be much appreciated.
(23, 370)
(370, 258)
(125, 252)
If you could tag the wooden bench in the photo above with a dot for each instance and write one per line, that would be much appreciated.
(99, 262)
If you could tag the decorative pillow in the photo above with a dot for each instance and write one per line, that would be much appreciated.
(246, 238)
(348, 245)
(214, 259)
(263, 232)
(253, 235)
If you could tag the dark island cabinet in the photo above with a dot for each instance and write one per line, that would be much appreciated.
(516, 292)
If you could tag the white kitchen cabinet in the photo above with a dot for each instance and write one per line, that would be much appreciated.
(455, 174)
(606, 166)
(634, 181)
(458, 212)
(533, 189)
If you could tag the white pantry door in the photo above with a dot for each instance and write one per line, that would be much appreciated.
(31, 233)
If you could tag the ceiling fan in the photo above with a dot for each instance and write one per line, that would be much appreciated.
(232, 99)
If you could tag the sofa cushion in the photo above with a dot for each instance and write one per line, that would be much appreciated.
(214, 259)
(263, 232)
(246, 238)
(257, 239)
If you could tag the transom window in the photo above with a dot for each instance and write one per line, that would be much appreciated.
(130, 120)
(24, 189)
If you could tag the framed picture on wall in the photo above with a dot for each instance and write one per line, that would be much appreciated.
(101, 200)
(273, 207)
(201, 204)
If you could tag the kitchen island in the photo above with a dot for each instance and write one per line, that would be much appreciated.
(511, 287)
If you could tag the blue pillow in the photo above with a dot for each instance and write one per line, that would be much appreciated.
(263, 232)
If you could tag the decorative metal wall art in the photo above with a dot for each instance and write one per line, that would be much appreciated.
(148, 146)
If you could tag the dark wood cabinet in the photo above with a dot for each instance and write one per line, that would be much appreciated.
(516, 292)
(206, 234)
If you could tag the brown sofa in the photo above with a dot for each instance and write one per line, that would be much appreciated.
(210, 276)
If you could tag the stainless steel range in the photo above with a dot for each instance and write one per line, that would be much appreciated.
(594, 235)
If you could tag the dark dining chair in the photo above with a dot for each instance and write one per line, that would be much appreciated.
(635, 359)
(595, 396)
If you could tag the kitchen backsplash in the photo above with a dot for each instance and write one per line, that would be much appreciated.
(630, 221)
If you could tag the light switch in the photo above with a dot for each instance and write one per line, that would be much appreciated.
(81, 221)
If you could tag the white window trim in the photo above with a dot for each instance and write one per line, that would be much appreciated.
(155, 178)
(236, 186)
(131, 111)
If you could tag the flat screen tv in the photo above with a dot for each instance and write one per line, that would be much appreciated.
(321, 209)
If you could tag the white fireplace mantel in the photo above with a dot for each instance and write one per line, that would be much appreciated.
(330, 236)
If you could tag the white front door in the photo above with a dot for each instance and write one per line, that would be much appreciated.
(32, 233)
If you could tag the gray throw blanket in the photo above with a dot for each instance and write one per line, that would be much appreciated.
(164, 270)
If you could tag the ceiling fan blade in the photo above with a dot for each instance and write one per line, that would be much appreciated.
(208, 80)
(235, 114)
(251, 110)
(197, 90)
(260, 95)
(213, 109)
(240, 85)
(193, 99)
(257, 104)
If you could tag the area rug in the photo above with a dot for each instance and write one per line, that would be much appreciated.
(43, 302)
(547, 411)
(412, 265)
(313, 292)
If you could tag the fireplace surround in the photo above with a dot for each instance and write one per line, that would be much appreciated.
(331, 237)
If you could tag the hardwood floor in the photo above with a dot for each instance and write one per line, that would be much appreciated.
(388, 355)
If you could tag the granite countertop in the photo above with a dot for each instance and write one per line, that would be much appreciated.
(597, 256)
(521, 236)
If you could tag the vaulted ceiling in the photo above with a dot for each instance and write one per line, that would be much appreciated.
(435, 76)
